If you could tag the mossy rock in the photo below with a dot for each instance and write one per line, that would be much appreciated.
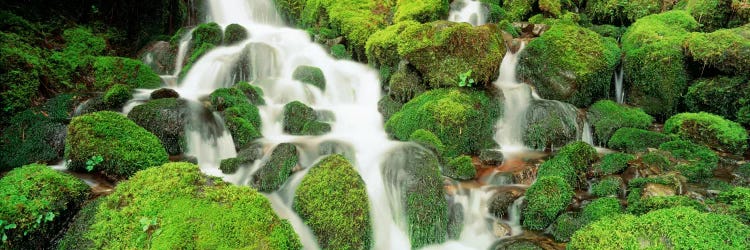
(726, 96)
(421, 11)
(614, 163)
(606, 117)
(206, 33)
(175, 206)
(710, 130)
(428, 140)
(166, 118)
(415, 174)
(310, 75)
(634, 140)
(164, 93)
(224, 98)
(609, 186)
(405, 83)
(109, 71)
(680, 227)
(565, 225)
(33, 137)
(518, 10)
(463, 117)
(75, 235)
(21, 65)
(550, 124)
(601, 208)
(253, 93)
(654, 203)
(460, 168)
(546, 198)
(274, 173)
(571, 163)
(622, 12)
(117, 95)
(36, 202)
(299, 119)
(654, 62)
(571, 64)
(124, 146)
(738, 200)
(696, 162)
(727, 50)
(332, 201)
(711, 14)
(234, 33)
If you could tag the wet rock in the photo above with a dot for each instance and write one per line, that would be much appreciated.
(164, 93)
(500, 229)
(234, 33)
(405, 83)
(491, 156)
(550, 124)
(655, 190)
(299, 119)
(253, 93)
(455, 220)
(310, 75)
(274, 173)
(166, 118)
(159, 56)
(513, 244)
(501, 201)
(337, 147)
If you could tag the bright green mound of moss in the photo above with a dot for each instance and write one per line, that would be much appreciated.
(634, 140)
(609, 186)
(421, 11)
(612, 164)
(654, 61)
(463, 117)
(21, 66)
(241, 118)
(571, 64)
(428, 140)
(124, 146)
(310, 75)
(695, 162)
(176, 206)
(332, 200)
(234, 33)
(166, 118)
(274, 173)
(711, 14)
(727, 50)
(606, 117)
(621, 12)
(571, 163)
(673, 228)
(75, 236)
(460, 168)
(35, 203)
(546, 198)
(119, 70)
(738, 199)
(710, 130)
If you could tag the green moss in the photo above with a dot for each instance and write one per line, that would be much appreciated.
(234, 33)
(387, 107)
(609, 186)
(195, 54)
(224, 98)
(21, 66)
(60, 107)
(659, 202)
(609, 30)
(310, 75)
(31, 137)
(332, 200)
(206, 33)
(711, 14)
(565, 225)
(81, 47)
(547, 197)
(405, 84)
(253, 93)
(550, 124)
(460, 168)
(623, 12)
(634, 140)
(463, 117)
(124, 146)
(727, 50)
(551, 7)
(654, 62)
(721, 95)
(658, 159)
(517, 10)
(428, 140)
(679, 227)
(37, 201)
(421, 11)
(117, 95)
(175, 206)
(242, 131)
(709, 129)
(277, 169)
(606, 117)
(570, 63)
(299, 119)
(166, 118)
(560, 166)
(613, 163)
(339, 51)
(75, 235)
(738, 199)
(382, 47)
(698, 161)
(109, 71)
(601, 208)
(581, 155)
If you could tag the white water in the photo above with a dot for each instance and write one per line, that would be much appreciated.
(586, 136)
(619, 94)
(469, 11)
(517, 96)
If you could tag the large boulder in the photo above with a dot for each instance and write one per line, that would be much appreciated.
(709, 129)
(571, 64)
(727, 50)
(166, 118)
(636, 140)
(241, 118)
(234, 33)
(122, 146)
(176, 206)
(711, 14)
(623, 12)
(606, 117)
(274, 173)
(413, 173)
(466, 118)
(159, 56)
(726, 96)
(109, 71)
(550, 124)
(35, 203)
(421, 11)
(332, 200)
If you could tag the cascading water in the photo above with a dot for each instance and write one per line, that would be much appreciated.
(619, 94)
(468, 11)
(518, 96)
(586, 136)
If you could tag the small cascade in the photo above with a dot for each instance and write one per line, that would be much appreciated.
(517, 96)
(619, 94)
(182, 52)
(468, 11)
(586, 135)
(514, 216)
(476, 232)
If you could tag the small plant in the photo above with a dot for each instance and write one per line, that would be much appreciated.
(465, 79)
(93, 161)
(4, 228)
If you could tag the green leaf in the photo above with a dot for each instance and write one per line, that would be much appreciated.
(5, 238)
(10, 226)
(50, 216)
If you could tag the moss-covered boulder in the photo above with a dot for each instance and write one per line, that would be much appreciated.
(634, 140)
(204, 37)
(463, 117)
(35, 204)
(608, 186)
(440, 51)
(621, 12)
(738, 200)
(123, 146)
(310, 75)
(727, 50)
(117, 95)
(654, 62)
(36, 135)
(612, 164)
(550, 124)
(175, 206)
(415, 174)
(517, 10)
(274, 173)
(333, 202)
(75, 235)
(109, 71)
(606, 117)
(166, 118)
(164, 93)
(253, 93)
(726, 96)
(21, 66)
(710, 130)
(571, 64)
(680, 227)
(405, 83)
(711, 14)
(546, 198)
(571, 163)
(241, 118)
(234, 33)
(421, 11)
(460, 168)
(299, 119)
(695, 162)
(428, 140)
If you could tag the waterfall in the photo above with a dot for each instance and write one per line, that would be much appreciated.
(468, 11)
(517, 96)
(586, 136)
(619, 94)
